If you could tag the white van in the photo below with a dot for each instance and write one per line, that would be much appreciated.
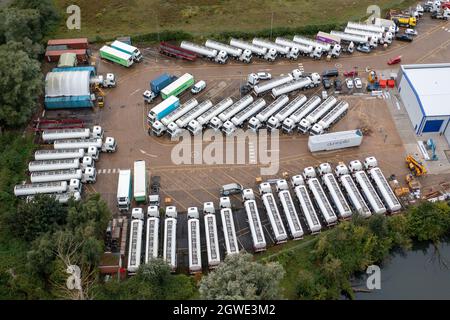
(199, 86)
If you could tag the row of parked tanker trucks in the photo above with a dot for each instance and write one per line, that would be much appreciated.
(61, 171)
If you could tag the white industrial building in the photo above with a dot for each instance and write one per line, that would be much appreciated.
(425, 91)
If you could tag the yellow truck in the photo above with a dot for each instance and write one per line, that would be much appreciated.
(404, 21)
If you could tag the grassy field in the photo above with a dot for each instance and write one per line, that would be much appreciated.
(108, 19)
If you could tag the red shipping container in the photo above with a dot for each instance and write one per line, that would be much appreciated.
(53, 56)
(80, 43)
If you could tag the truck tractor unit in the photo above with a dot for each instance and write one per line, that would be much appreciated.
(239, 54)
(217, 122)
(156, 85)
(238, 120)
(256, 122)
(159, 127)
(330, 118)
(281, 50)
(306, 124)
(218, 56)
(276, 121)
(264, 53)
(290, 123)
(196, 126)
(51, 135)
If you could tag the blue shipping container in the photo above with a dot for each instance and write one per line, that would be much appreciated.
(68, 102)
(156, 85)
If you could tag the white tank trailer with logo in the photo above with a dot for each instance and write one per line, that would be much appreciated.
(239, 54)
(229, 229)
(135, 247)
(306, 205)
(195, 250)
(348, 37)
(152, 243)
(85, 176)
(78, 133)
(175, 128)
(267, 54)
(263, 88)
(367, 27)
(296, 48)
(257, 121)
(259, 241)
(23, 190)
(287, 203)
(374, 38)
(320, 197)
(335, 140)
(374, 201)
(290, 123)
(109, 145)
(280, 49)
(270, 205)
(238, 120)
(170, 237)
(352, 192)
(306, 123)
(51, 165)
(212, 237)
(217, 122)
(62, 198)
(319, 47)
(159, 127)
(329, 181)
(330, 118)
(211, 54)
(197, 125)
(301, 84)
(60, 154)
(391, 201)
(275, 121)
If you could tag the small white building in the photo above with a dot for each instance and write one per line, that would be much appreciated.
(425, 91)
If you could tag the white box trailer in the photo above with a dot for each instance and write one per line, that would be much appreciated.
(152, 240)
(135, 242)
(369, 192)
(305, 124)
(353, 194)
(87, 176)
(257, 121)
(51, 165)
(262, 52)
(238, 120)
(391, 201)
(124, 190)
(197, 125)
(296, 47)
(175, 127)
(337, 113)
(59, 154)
(358, 39)
(254, 221)
(290, 123)
(287, 203)
(159, 127)
(212, 54)
(265, 87)
(140, 181)
(170, 237)
(335, 140)
(194, 248)
(240, 54)
(275, 121)
(212, 238)
(306, 204)
(23, 190)
(229, 230)
(270, 205)
(330, 184)
(216, 122)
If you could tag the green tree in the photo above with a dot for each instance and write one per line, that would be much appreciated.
(48, 13)
(32, 49)
(429, 221)
(41, 215)
(19, 24)
(21, 82)
(239, 277)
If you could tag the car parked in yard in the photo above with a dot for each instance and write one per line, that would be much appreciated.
(349, 83)
(326, 83)
(264, 76)
(330, 73)
(395, 60)
(338, 84)
(404, 37)
(411, 32)
(352, 73)
(198, 87)
(363, 48)
(358, 83)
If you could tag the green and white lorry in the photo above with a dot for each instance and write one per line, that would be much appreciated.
(116, 56)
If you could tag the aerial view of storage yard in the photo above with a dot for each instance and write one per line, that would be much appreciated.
(279, 156)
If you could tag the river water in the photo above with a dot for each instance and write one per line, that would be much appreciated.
(421, 273)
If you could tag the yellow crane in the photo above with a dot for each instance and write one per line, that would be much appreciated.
(416, 167)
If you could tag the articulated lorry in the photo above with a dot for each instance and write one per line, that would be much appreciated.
(128, 49)
(229, 230)
(61, 187)
(194, 246)
(302, 84)
(275, 121)
(306, 123)
(256, 122)
(89, 175)
(109, 145)
(264, 53)
(196, 126)
(254, 221)
(211, 234)
(50, 135)
(176, 52)
(124, 195)
(306, 204)
(217, 122)
(152, 239)
(116, 56)
(135, 242)
(330, 118)
(140, 182)
(238, 120)
(239, 54)
(159, 127)
(295, 48)
(263, 88)
(156, 85)
(281, 50)
(290, 212)
(170, 237)
(279, 231)
(163, 109)
(290, 123)
(212, 54)
(178, 86)
(174, 128)
(60, 154)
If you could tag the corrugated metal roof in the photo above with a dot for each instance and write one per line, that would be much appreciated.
(65, 84)
(431, 83)
(67, 60)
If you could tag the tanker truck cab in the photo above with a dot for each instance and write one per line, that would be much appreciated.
(93, 152)
(89, 175)
(317, 53)
(87, 162)
(293, 54)
(158, 128)
(215, 124)
(304, 126)
(246, 56)
(109, 145)
(75, 186)
(271, 55)
(97, 132)
(336, 52)
(221, 57)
